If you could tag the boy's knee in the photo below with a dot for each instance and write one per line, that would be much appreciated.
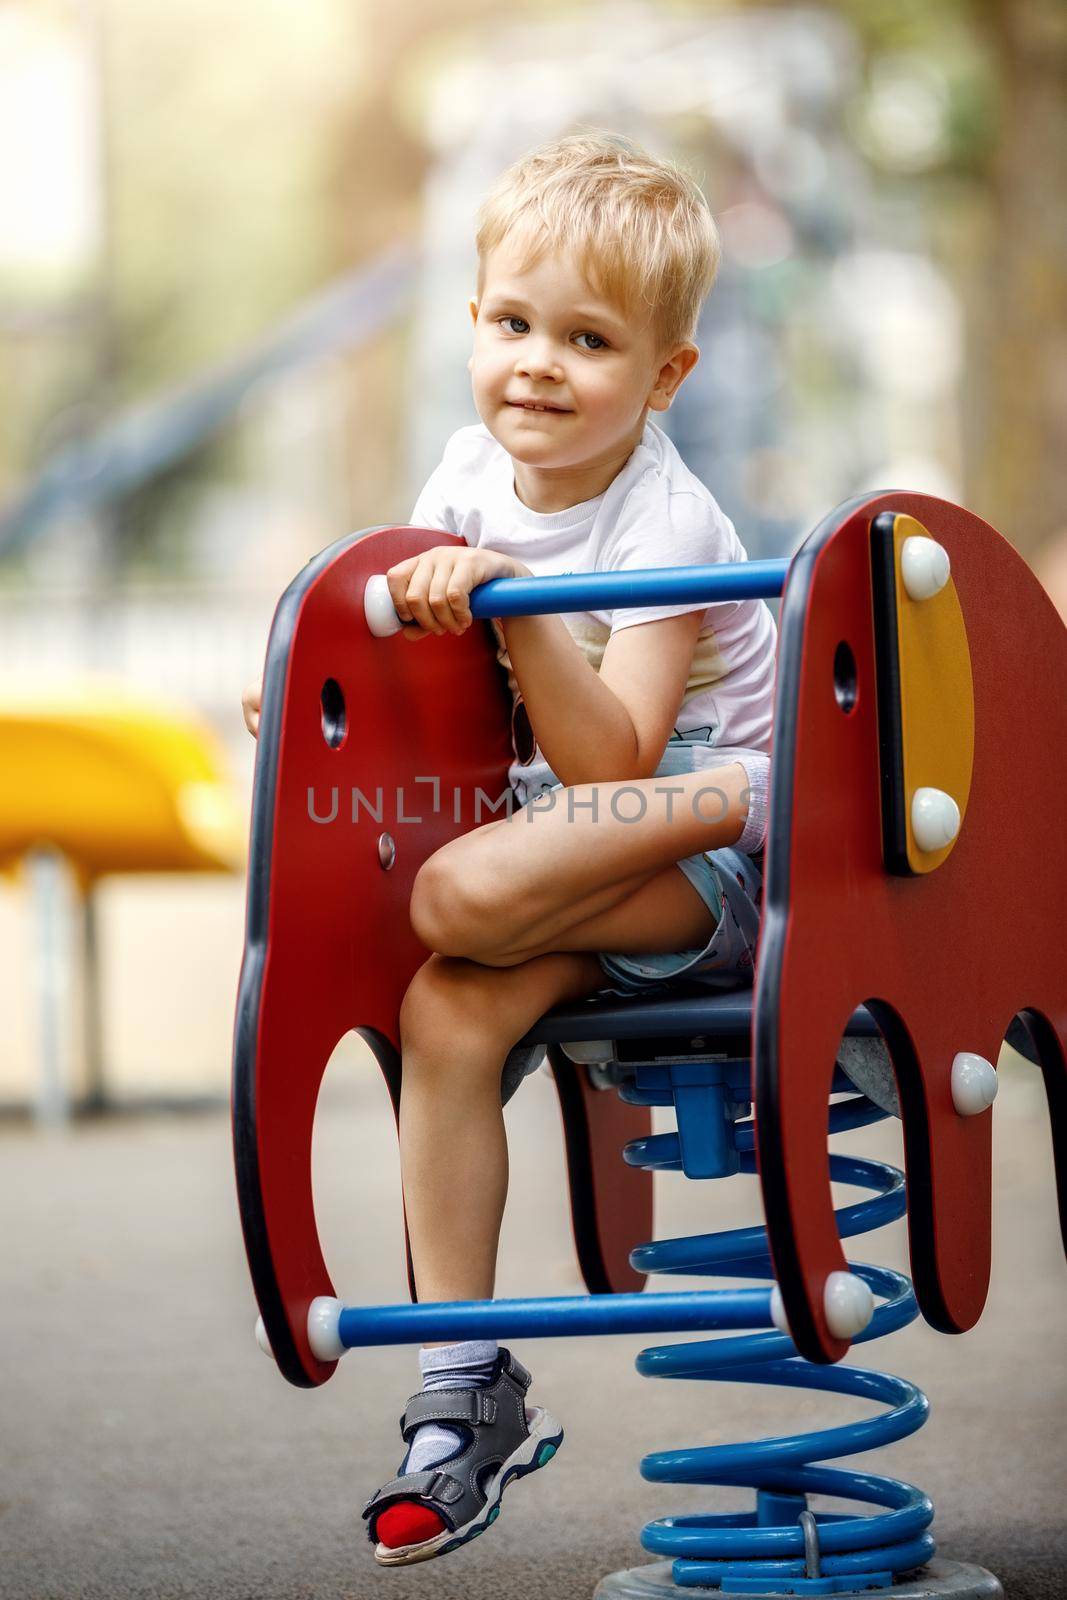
(449, 997)
(427, 909)
(446, 915)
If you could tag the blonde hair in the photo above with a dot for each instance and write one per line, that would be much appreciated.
(639, 228)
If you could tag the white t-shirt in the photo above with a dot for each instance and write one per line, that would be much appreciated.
(655, 513)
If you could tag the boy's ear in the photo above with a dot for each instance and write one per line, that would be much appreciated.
(672, 375)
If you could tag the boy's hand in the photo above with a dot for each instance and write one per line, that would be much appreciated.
(251, 701)
(431, 591)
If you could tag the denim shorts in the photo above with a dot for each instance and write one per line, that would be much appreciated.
(729, 882)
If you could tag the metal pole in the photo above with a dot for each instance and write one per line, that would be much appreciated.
(52, 897)
(96, 1096)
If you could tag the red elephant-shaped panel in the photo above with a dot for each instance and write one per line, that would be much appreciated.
(944, 960)
(372, 754)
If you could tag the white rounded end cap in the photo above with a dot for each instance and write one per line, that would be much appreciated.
(935, 818)
(262, 1340)
(848, 1304)
(778, 1310)
(974, 1083)
(924, 566)
(324, 1319)
(378, 607)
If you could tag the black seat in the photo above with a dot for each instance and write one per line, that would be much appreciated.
(715, 1024)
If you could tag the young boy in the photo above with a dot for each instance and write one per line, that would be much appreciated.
(594, 261)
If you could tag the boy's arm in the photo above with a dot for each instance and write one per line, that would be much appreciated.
(609, 725)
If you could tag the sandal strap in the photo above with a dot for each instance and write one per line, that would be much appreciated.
(515, 1369)
(472, 1406)
(428, 1485)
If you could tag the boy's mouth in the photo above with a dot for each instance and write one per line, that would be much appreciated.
(538, 405)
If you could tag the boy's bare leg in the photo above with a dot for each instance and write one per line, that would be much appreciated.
(522, 882)
(457, 1023)
(658, 914)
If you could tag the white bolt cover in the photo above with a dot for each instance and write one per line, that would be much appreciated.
(378, 607)
(324, 1317)
(974, 1083)
(935, 818)
(262, 1340)
(778, 1310)
(924, 566)
(848, 1303)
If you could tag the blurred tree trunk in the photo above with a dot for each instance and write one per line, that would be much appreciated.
(1016, 395)
(376, 197)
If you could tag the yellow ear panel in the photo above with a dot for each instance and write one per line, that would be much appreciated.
(926, 695)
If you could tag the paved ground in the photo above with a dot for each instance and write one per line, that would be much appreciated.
(148, 1449)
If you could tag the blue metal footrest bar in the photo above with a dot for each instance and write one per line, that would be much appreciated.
(563, 1316)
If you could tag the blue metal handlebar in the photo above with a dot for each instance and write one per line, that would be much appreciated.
(599, 591)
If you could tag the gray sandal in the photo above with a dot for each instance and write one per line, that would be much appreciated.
(465, 1489)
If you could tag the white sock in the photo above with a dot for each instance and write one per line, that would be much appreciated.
(758, 772)
(448, 1366)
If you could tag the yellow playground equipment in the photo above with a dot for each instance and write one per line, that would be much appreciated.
(98, 779)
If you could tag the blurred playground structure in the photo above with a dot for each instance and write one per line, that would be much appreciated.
(192, 415)
(98, 782)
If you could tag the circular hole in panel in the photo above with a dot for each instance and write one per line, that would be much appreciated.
(334, 723)
(845, 686)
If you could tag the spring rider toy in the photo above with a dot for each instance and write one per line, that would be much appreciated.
(911, 635)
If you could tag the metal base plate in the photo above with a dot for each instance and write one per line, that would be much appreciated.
(939, 1580)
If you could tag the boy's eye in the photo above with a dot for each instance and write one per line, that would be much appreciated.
(508, 324)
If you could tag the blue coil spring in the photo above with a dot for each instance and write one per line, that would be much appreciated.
(768, 1543)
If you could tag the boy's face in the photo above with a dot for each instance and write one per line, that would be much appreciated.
(543, 335)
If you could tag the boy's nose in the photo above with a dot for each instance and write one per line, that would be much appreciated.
(537, 361)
